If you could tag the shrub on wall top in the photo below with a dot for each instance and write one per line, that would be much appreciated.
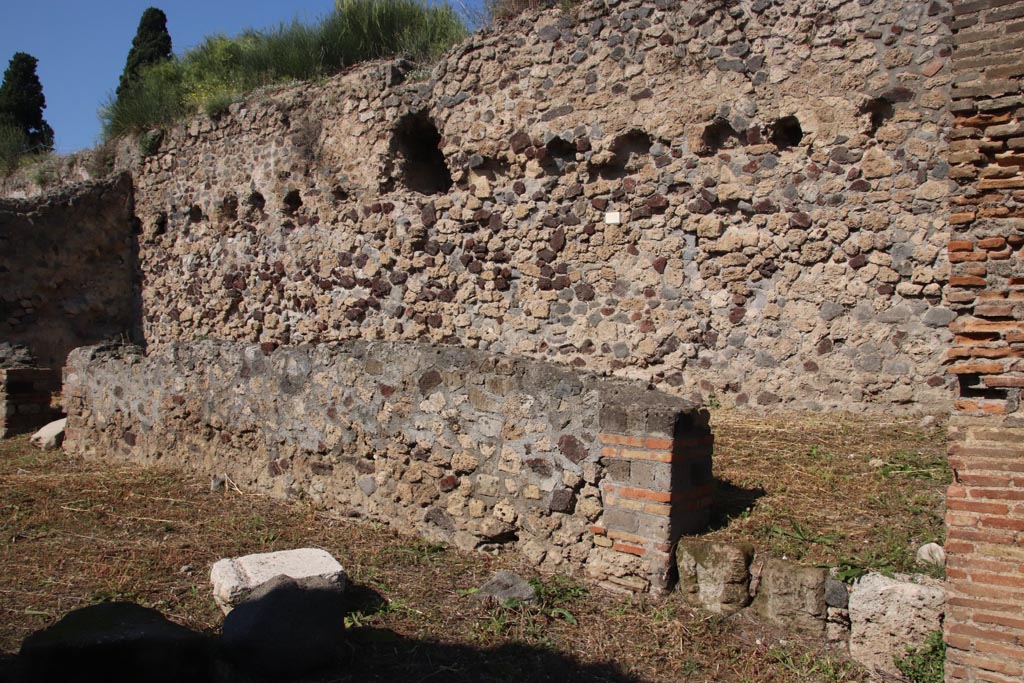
(222, 69)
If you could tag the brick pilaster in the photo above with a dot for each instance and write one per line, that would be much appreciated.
(657, 484)
(985, 504)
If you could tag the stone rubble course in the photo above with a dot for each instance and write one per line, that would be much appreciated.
(741, 202)
(51, 436)
(235, 579)
(888, 615)
(485, 451)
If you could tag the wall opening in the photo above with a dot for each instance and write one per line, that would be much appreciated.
(629, 152)
(559, 152)
(292, 202)
(718, 135)
(422, 167)
(786, 132)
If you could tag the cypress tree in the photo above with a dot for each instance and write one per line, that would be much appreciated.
(151, 45)
(22, 102)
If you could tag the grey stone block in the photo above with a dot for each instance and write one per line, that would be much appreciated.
(714, 576)
(792, 597)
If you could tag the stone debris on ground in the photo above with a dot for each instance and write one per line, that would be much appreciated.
(933, 554)
(236, 579)
(505, 586)
(51, 436)
(890, 614)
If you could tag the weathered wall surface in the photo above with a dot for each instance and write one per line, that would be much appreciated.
(985, 518)
(572, 470)
(776, 169)
(68, 270)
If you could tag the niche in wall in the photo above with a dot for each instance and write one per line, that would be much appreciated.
(416, 146)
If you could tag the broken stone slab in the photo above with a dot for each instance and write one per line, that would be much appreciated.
(285, 629)
(715, 576)
(115, 641)
(505, 586)
(888, 615)
(51, 436)
(235, 579)
(792, 596)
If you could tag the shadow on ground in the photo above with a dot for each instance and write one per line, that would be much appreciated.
(730, 501)
(122, 642)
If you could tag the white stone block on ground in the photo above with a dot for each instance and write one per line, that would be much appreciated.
(51, 436)
(234, 579)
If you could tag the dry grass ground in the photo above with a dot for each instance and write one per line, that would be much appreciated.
(74, 533)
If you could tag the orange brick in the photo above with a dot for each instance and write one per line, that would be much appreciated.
(1003, 381)
(622, 440)
(975, 368)
(967, 256)
(966, 281)
(645, 494)
(977, 506)
(1000, 184)
(629, 548)
(656, 456)
(609, 452)
(960, 245)
(992, 243)
(598, 530)
(961, 218)
(658, 509)
(627, 537)
(659, 444)
(994, 407)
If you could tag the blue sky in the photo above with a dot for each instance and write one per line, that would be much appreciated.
(81, 46)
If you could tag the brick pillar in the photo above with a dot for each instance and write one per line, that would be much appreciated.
(24, 400)
(985, 504)
(657, 482)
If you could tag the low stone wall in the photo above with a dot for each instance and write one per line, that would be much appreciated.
(25, 399)
(483, 450)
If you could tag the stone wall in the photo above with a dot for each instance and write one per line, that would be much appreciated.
(570, 469)
(985, 517)
(737, 201)
(68, 270)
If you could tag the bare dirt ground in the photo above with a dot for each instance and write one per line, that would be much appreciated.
(820, 489)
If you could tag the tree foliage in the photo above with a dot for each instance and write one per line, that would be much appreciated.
(22, 103)
(151, 45)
